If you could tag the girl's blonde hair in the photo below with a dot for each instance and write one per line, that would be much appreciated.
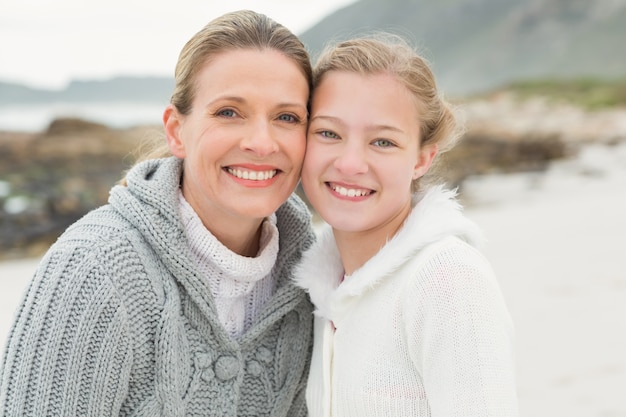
(391, 54)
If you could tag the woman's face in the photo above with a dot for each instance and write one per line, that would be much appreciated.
(363, 152)
(244, 139)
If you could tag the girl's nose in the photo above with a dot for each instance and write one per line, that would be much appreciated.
(351, 160)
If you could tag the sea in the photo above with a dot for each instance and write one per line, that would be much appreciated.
(37, 117)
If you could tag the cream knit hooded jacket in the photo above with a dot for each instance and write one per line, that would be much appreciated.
(420, 330)
(118, 320)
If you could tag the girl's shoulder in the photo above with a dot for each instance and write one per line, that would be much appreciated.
(450, 270)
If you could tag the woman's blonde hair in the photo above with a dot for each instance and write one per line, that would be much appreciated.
(243, 29)
(391, 54)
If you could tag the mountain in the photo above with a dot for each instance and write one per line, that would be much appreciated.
(133, 89)
(473, 45)
(477, 45)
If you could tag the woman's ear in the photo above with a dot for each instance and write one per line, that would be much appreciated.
(172, 123)
(425, 160)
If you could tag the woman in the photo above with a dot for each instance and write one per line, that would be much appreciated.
(176, 299)
(409, 317)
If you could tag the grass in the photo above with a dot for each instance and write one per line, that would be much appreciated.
(589, 93)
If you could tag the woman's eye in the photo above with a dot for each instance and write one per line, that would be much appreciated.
(289, 118)
(227, 113)
(383, 143)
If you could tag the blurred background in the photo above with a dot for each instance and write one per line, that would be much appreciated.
(540, 85)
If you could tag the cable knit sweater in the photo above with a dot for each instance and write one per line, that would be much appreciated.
(119, 319)
(421, 329)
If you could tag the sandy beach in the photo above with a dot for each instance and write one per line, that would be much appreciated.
(557, 243)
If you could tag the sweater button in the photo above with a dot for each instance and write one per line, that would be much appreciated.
(203, 365)
(207, 375)
(254, 368)
(202, 360)
(264, 355)
(226, 368)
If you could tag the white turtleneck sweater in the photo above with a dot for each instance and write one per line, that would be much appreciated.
(240, 285)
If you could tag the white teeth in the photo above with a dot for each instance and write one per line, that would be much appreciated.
(350, 192)
(252, 175)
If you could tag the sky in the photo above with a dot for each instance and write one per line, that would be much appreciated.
(48, 43)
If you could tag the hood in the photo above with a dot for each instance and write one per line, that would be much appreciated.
(436, 214)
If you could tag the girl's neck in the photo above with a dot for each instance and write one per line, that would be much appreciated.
(358, 247)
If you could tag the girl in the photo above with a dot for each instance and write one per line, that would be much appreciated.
(409, 317)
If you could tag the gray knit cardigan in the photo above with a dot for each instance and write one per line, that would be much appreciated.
(117, 320)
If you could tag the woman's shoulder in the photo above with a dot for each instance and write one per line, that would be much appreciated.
(97, 225)
(294, 212)
(105, 246)
(293, 220)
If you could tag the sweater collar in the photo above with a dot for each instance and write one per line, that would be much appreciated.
(435, 215)
(209, 250)
(150, 204)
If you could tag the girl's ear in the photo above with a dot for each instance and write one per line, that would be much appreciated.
(425, 160)
(172, 123)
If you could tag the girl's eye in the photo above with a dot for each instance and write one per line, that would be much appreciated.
(289, 118)
(227, 113)
(383, 143)
(328, 134)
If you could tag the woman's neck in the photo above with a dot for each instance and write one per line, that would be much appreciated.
(239, 239)
(242, 235)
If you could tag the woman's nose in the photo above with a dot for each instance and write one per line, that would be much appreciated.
(260, 140)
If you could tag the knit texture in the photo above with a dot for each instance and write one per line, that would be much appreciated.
(240, 285)
(420, 330)
(119, 320)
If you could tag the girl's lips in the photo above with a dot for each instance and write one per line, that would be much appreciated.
(349, 191)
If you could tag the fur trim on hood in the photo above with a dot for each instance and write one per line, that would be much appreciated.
(436, 215)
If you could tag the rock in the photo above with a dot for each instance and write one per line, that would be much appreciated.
(491, 152)
(61, 174)
(49, 180)
(72, 126)
(505, 112)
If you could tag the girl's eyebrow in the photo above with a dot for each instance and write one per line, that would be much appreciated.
(329, 119)
(372, 128)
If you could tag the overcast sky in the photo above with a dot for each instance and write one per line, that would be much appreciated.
(47, 43)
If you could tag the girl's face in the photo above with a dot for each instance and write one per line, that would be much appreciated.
(363, 151)
(243, 141)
